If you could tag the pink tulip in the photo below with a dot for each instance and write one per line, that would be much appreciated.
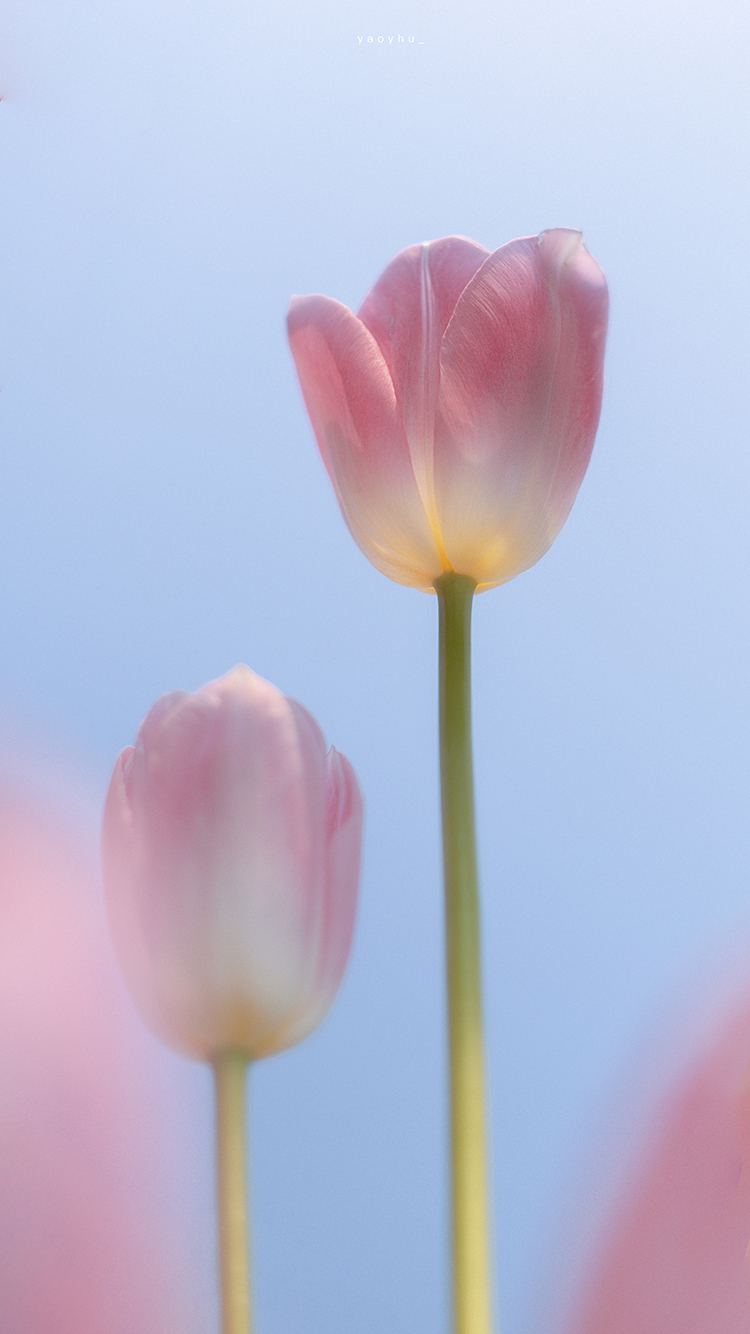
(90, 1240)
(676, 1258)
(231, 847)
(456, 413)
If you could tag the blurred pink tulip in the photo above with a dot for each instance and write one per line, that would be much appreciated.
(456, 413)
(231, 855)
(89, 1240)
(675, 1259)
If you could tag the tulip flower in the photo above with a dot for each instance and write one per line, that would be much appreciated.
(456, 414)
(231, 852)
(231, 856)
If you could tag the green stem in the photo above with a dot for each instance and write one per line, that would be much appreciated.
(472, 1284)
(230, 1069)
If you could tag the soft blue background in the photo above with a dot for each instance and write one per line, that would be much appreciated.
(171, 173)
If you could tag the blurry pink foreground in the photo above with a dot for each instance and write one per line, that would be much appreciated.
(87, 1245)
(676, 1258)
(90, 1239)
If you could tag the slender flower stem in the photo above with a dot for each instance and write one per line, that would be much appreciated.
(230, 1070)
(472, 1284)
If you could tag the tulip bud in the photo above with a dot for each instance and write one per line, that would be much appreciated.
(231, 858)
(456, 413)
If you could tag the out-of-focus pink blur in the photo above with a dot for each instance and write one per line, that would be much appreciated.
(91, 1239)
(675, 1259)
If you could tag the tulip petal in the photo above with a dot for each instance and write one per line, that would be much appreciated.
(407, 312)
(337, 905)
(350, 397)
(344, 832)
(520, 394)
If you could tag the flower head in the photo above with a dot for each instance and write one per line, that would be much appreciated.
(456, 413)
(231, 855)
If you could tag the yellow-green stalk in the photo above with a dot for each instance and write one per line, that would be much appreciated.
(472, 1265)
(230, 1075)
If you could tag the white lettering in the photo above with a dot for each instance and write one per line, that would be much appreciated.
(391, 40)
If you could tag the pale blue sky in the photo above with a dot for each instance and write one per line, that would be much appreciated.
(171, 174)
